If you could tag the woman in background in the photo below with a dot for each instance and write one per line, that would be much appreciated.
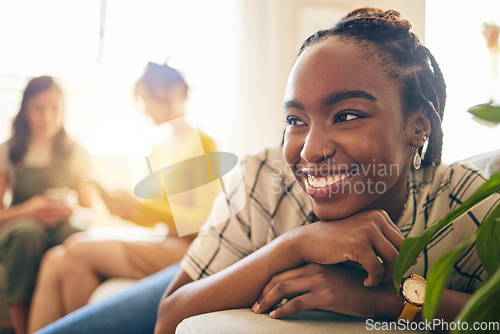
(70, 275)
(38, 166)
(363, 103)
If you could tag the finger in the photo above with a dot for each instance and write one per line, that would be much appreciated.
(388, 219)
(365, 254)
(283, 289)
(391, 223)
(42, 214)
(285, 275)
(387, 255)
(391, 231)
(297, 304)
(106, 197)
(44, 221)
(371, 262)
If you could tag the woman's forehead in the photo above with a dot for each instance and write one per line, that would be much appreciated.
(336, 65)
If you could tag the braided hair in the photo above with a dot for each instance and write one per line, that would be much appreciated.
(405, 60)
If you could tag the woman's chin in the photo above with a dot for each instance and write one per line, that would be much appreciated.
(330, 213)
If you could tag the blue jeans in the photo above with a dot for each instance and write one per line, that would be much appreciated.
(131, 311)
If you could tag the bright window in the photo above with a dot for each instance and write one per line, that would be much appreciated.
(453, 34)
(98, 48)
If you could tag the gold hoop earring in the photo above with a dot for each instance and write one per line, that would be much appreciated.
(324, 154)
(417, 161)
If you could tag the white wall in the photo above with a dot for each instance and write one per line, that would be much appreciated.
(454, 36)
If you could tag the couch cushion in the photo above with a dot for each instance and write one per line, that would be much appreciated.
(488, 162)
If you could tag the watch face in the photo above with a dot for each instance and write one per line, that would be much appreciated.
(414, 290)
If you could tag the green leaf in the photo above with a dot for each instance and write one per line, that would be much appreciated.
(488, 241)
(486, 111)
(483, 307)
(412, 247)
(437, 277)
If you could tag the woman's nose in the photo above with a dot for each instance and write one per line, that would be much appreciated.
(316, 147)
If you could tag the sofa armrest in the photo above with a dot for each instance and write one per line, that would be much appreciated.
(246, 321)
(488, 162)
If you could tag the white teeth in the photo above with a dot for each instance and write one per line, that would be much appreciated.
(321, 182)
(315, 183)
(329, 181)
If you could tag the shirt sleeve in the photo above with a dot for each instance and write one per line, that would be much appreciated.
(189, 210)
(222, 243)
(207, 143)
(5, 164)
(4, 156)
(188, 216)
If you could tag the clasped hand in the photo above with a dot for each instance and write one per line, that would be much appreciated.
(48, 213)
(326, 282)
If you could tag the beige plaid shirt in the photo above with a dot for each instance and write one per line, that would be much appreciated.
(275, 204)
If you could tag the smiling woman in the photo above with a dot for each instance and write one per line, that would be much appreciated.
(363, 98)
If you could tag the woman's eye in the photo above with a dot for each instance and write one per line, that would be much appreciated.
(344, 117)
(292, 121)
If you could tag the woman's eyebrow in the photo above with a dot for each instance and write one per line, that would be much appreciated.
(334, 98)
(293, 104)
(350, 94)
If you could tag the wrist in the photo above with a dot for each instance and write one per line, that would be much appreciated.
(389, 304)
(23, 209)
(287, 248)
(295, 240)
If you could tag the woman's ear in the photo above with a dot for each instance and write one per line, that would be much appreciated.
(418, 128)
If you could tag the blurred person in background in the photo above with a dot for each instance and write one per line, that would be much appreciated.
(69, 276)
(39, 166)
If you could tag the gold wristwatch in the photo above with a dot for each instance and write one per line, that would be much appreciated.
(413, 291)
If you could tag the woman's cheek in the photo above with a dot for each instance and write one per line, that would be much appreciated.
(291, 148)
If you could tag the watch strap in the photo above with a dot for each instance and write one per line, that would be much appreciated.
(409, 312)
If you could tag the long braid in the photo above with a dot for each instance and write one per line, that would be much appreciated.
(406, 61)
